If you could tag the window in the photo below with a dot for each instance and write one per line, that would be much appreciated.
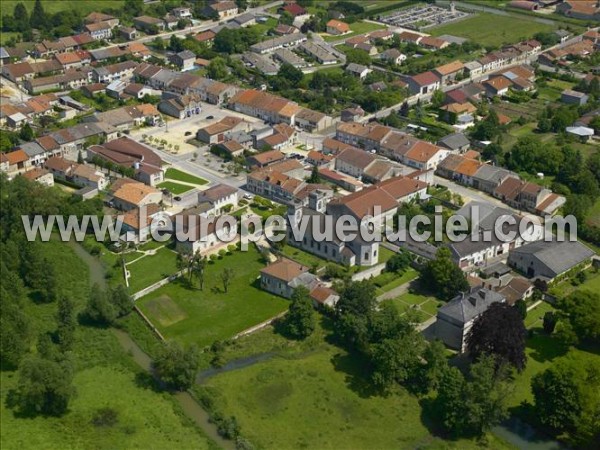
(366, 255)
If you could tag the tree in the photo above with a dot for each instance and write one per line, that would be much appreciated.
(356, 303)
(300, 319)
(471, 406)
(176, 44)
(177, 366)
(399, 262)
(198, 266)
(133, 8)
(358, 56)
(499, 332)
(226, 276)
(45, 386)
(549, 323)
(566, 399)
(14, 323)
(396, 349)
(444, 276)
(47, 282)
(521, 306)
(66, 323)
(582, 311)
(437, 98)
(315, 177)
(404, 109)
(290, 73)
(99, 308)
(26, 132)
(121, 300)
(158, 43)
(217, 68)
(38, 18)
(435, 366)
(79, 157)
(20, 18)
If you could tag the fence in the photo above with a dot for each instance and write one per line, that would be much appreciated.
(260, 326)
(368, 273)
(156, 285)
(150, 324)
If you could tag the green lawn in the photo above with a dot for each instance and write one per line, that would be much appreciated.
(425, 306)
(175, 188)
(408, 275)
(178, 175)
(54, 6)
(536, 315)
(190, 315)
(105, 377)
(264, 27)
(553, 89)
(357, 28)
(542, 350)
(305, 258)
(151, 269)
(314, 395)
(492, 29)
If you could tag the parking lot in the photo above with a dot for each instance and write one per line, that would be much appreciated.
(419, 17)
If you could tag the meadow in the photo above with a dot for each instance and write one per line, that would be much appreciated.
(492, 30)
(105, 377)
(54, 6)
(314, 395)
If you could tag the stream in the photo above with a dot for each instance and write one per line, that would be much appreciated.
(188, 404)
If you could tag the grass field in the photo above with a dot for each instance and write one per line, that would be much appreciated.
(178, 175)
(315, 396)
(425, 306)
(7, 35)
(105, 377)
(592, 283)
(305, 258)
(594, 214)
(388, 281)
(175, 188)
(150, 269)
(491, 29)
(357, 28)
(542, 350)
(205, 316)
(553, 89)
(54, 6)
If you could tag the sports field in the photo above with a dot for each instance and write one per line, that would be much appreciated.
(491, 29)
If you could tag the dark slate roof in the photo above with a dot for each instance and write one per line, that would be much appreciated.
(468, 305)
(487, 216)
(454, 141)
(557, 256)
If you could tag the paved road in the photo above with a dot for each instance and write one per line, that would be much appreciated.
(469, 193)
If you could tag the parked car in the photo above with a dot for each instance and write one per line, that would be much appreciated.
(187, 133)
(177, 198)
(210, 117)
